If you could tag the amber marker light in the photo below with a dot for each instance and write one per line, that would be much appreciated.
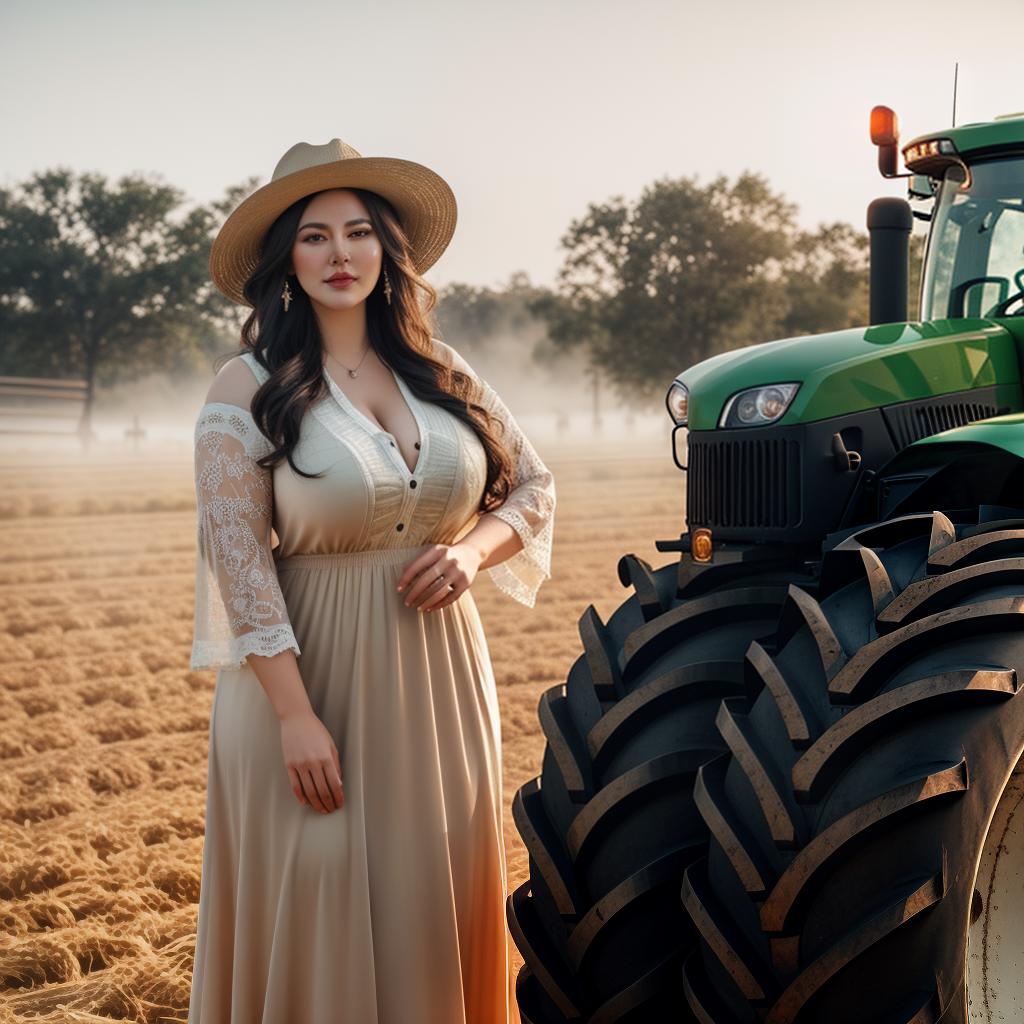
(700, 544)
(885, 129)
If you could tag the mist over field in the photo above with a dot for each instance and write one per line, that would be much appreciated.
(167, 405)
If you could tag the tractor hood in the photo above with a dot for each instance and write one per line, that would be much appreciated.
(857, 369)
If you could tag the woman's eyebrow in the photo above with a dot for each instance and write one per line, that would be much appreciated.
(326, 227)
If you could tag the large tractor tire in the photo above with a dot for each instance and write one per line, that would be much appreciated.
(610, 825)
(866, 861)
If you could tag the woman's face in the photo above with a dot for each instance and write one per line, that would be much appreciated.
(335, 236)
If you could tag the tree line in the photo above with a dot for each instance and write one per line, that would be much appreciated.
(106, 281)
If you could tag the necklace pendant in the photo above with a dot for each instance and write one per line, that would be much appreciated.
(352, 373)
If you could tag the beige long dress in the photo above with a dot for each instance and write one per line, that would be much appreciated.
(390, 910)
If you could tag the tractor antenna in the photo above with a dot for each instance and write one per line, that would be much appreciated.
(956, 68)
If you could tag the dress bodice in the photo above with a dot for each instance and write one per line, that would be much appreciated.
(368, 497)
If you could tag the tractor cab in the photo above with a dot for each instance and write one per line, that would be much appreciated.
(974, 266)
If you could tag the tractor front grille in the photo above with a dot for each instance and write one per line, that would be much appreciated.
(746, 484)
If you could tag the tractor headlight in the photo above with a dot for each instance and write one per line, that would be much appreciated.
(757, 406)
(678, 403)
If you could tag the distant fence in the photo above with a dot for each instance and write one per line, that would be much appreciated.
(41, 405)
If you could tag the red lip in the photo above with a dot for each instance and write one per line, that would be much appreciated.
(341, 277)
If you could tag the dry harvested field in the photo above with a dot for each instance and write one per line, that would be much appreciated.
(103, 726)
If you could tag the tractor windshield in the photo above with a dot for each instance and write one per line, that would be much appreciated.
(975, 259)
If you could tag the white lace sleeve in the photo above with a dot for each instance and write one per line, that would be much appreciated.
(239, 608)
(529, 507)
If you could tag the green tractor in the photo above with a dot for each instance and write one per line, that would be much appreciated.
(780, 782)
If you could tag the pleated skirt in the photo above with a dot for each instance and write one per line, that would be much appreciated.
(390, 910)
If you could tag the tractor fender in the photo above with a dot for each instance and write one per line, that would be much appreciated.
(981, 463)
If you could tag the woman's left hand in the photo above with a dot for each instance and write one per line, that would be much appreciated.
(422, 583)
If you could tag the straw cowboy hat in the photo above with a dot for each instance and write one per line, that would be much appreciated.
(423, 200)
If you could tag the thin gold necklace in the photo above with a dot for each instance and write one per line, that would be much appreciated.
(352, 373)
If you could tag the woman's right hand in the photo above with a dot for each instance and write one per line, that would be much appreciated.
(312, 761)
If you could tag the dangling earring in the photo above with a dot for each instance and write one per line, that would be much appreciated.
(387, 286)
(286, 295)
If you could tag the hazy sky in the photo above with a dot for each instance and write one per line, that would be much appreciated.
(530, 110)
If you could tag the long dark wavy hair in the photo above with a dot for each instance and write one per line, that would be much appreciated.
(289, 345)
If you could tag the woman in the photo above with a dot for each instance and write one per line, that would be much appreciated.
(353, 866)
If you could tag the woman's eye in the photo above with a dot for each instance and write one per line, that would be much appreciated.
(316, 234)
